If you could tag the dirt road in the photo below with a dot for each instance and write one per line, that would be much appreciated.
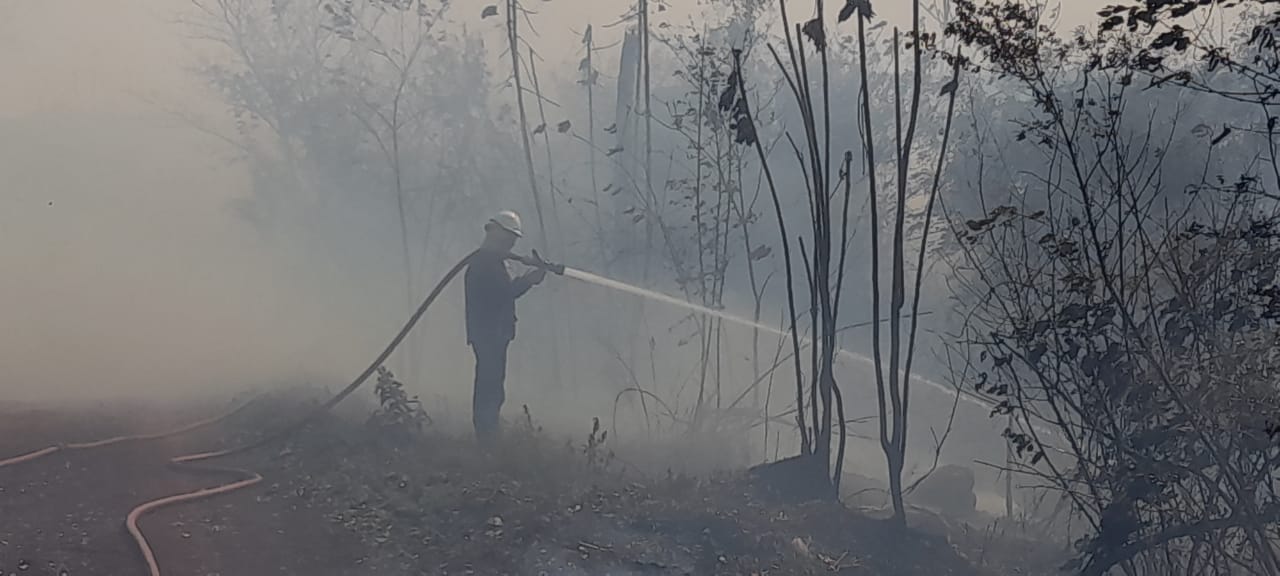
(342, 498)
(64, 514)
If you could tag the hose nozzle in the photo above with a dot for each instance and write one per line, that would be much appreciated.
(536, 261)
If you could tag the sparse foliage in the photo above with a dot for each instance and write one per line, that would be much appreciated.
(598, 455)
(398, 413)
(1119, 302)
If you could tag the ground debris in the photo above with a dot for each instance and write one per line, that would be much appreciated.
(341, 500)
(534, 508)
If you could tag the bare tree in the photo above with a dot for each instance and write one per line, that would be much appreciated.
(823, 279)
(514, 13)
(829, 225)
(589, 79)
(894, 380)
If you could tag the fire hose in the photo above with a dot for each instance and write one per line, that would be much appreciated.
(247, 478)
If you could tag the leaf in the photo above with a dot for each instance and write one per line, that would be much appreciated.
(813, 29)
(613, 151)
(490, 10)
(847, 11)
(1201, 130)
(862, 7)
(762, 251)
(1226, 130)
(563, 127)
(1036, 353)
(1073, 312)
(730, 91)
(949, 87)
(611, 128)
(745, 132)
(539, 129)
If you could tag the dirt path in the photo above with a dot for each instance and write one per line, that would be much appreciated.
(64, 514)
(345, 499)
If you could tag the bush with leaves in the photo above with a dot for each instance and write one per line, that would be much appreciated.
(398, 413)
(1120, 307)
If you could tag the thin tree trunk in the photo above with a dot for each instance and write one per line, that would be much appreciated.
(648, 129)
(872, 193)
(591, 141)
(744, 216)
(406, 359)
(1008, 472)
(559, 319)
(513, 40)
(648, 158)
(704, 335)
(805, 440)
(896, 301)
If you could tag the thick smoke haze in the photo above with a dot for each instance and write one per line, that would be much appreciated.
(130, 268)
(200, 198)
(124, 268)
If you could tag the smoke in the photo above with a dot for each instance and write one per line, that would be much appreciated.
(127, 271)
(145, 254)
(124, 273)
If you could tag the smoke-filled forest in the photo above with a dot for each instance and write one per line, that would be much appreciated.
(640, 287)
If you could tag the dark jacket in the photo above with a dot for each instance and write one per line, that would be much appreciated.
(491, 299)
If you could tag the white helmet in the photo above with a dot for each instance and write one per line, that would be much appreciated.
(509, 221)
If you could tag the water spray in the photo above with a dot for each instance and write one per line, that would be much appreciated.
(536, 261)
(612, 284)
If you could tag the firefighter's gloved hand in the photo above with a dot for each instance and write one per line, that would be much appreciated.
(537, 275)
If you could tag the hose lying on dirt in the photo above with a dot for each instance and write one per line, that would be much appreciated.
(121, 439)
(247, 478)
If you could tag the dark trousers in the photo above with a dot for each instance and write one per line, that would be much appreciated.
(490, 391)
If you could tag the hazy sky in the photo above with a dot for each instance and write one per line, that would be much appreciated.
(59, 55)
(120, 265)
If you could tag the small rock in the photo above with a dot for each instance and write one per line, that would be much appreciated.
(495, 522)
(800, 546)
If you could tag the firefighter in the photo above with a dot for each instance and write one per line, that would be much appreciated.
(491, 317)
